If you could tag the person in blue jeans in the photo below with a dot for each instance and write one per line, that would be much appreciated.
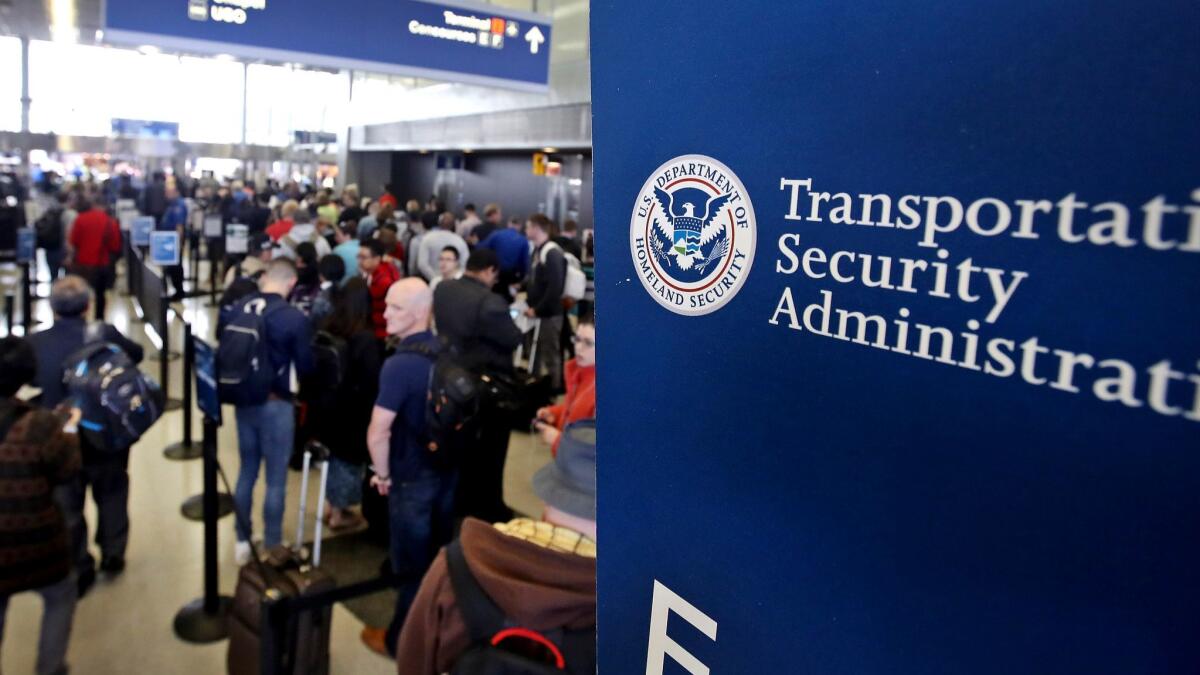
(420, 495)
(265, 431)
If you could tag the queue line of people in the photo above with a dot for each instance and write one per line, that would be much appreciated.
(381, 304)
(407, 297)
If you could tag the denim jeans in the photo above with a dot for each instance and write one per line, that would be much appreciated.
(59, 600)
(345, 483)
(421, 512)
(265, 432)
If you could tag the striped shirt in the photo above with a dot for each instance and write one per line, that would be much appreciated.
(35, 457)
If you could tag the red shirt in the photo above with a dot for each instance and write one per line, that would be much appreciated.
(387, 198)
(95, 238)
(280, 228)
(580, 402)
(385, 275)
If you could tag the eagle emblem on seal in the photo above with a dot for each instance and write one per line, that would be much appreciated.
(688, 235)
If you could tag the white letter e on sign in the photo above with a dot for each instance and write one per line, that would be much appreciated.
(661, 646)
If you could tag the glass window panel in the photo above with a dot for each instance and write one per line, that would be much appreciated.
(210, 105)
(280, 100)
(10, 84)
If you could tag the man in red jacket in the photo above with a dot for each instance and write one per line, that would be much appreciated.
(379, 277)
(94, 243)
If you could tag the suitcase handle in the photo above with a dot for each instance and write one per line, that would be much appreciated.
(323, 457)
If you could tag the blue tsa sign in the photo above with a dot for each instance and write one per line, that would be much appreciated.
(164, 248)
(142, 227)
(449, 40)
(906, 324)
(206, 380)
(26, 244)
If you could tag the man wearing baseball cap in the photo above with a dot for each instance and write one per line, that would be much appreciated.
(536, 576)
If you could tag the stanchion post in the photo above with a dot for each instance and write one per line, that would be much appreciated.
(212, 273)
(186, 449)
(211, 587)
(164, 362)
(204, 620)
(9, 312)
(26, 298)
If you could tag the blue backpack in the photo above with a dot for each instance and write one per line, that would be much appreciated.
(244, 368)
(117, 401)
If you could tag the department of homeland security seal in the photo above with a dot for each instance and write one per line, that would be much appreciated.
(692, 235)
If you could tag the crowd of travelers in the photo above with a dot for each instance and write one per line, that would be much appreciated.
(364, 307)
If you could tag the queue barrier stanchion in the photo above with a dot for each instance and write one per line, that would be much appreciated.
(10, 312)
(26, 298)
(160, 325)
(203, 620)
(186, 449)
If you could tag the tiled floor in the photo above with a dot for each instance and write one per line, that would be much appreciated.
(125, 625)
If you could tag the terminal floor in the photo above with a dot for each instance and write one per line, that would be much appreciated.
(124, 625)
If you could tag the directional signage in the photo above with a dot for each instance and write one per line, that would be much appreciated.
(900, 305)
(206, 381)
(126, 128)
(164, 248)
(142, 227)
(26, 244)
(237, 238)
(450, 40)
(212, 226)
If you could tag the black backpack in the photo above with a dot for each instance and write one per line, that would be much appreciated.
(498, 647)
(331, 357)
(453, 400)
(244, 368)
(49, 229)
(118, 402)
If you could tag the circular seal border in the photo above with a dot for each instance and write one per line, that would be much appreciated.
(639, 225)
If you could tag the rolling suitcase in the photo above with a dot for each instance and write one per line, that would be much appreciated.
(304, 644)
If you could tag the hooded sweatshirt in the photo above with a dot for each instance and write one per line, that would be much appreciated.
(537, 587)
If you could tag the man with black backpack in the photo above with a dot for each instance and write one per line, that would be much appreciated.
(516, 598)
(51, 230)
(419, 487)
(260, 342)
(477, 325)
(104, 469)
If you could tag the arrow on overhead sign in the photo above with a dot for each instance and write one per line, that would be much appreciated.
(535, 39)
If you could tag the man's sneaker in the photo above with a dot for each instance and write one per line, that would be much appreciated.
(113, 565)
(242, 552)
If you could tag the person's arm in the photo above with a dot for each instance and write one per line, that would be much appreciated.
(131, 348)
(379, 438)
(302, 353)
(497, 324)
(60, 450)
(114, 232)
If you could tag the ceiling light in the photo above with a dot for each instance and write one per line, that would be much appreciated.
(467, 151)
(149, 49)
(549, 151)
(225, 57)
(99, 35)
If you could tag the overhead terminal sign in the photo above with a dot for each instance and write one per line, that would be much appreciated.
(449, 40)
